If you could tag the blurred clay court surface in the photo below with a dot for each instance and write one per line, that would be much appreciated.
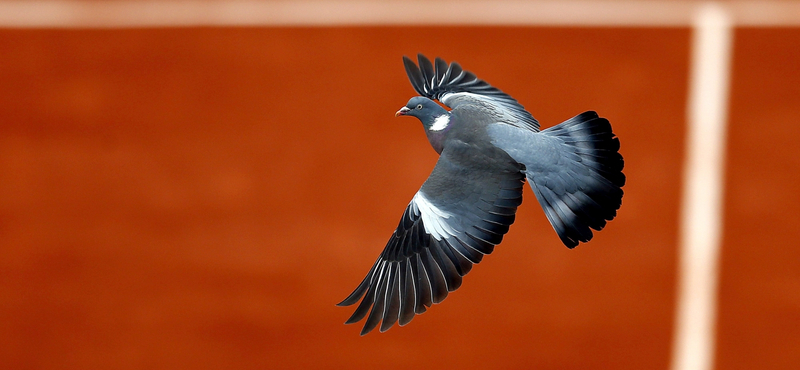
(201, 197)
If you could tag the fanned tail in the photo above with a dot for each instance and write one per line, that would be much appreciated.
(588, 192)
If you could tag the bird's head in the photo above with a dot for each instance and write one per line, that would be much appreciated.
(432, 115)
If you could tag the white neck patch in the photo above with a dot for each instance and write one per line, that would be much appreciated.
(440, 122)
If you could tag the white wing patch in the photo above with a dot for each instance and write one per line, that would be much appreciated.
(433, 218)
(440, 122)
(447, 96)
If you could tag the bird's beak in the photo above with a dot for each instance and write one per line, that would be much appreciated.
(402, 112)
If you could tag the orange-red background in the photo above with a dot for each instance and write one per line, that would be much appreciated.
(200, 198)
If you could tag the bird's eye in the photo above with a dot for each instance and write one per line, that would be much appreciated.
(419, 106)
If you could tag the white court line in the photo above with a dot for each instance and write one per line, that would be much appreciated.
(122, 14)
(198, 13)
(701, 206)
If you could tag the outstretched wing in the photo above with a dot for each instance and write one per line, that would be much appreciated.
(449, 84)
(460, 213)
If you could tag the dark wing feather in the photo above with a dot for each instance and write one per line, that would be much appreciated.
(460, 213)
(439, 81)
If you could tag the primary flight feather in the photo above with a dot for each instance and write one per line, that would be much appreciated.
(488, 146)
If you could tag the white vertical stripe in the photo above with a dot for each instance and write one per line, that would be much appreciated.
(700, 227)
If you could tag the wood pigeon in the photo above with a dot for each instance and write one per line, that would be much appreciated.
(488, 146)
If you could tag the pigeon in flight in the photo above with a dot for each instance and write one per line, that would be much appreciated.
(488, 146)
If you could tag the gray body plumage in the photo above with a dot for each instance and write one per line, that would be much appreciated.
(489, 146)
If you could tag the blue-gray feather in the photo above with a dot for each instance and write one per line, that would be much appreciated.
(488, 145)
(574, 169)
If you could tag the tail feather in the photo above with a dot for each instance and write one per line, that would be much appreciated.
(583, 191)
